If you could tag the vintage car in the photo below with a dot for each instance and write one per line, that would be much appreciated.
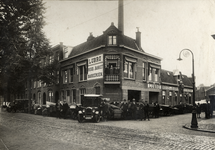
(90, 108)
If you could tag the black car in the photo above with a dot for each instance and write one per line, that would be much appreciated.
(90, 108)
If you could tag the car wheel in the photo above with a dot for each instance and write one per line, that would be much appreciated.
(97, 118)
(80, 118)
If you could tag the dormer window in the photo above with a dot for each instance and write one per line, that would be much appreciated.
(112, 40)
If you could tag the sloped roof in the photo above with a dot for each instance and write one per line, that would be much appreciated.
(167, 77)
(102, 40)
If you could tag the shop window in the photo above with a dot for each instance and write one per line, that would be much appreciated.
(112, 40)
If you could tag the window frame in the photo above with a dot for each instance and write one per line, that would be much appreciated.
(112, 40)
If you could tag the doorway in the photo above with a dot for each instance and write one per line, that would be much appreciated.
(153, 97)
(134, 94)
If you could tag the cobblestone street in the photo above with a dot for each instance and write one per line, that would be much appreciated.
(27, 131)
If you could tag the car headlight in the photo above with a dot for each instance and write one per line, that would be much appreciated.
(83, 110)
(80, 112)
(97, 112)
(93, 110)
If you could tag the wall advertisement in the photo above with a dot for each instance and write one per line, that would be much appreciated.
(95, 67)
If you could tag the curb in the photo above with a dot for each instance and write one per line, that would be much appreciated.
(187, 126)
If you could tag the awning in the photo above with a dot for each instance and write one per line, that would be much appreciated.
(130, 59)
(154, 66)
(81, 63)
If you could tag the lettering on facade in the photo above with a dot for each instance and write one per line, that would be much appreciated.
(95, 67)
(171, 88)
(154, 86)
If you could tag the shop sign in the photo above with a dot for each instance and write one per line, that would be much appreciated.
(95, 67)
(169, 88)
(154, 86)
(188, 90)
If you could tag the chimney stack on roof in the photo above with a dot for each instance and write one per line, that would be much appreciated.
(121, 16)
(138, 37)
(90, 37)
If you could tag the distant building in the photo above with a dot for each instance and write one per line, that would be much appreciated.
(176, 88)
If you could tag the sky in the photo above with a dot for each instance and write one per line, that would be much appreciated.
(166, 26)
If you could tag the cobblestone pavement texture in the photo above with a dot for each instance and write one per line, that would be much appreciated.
(36, 130)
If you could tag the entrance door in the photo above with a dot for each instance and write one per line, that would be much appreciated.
(134, 94)
(56, 96)
(44, 98)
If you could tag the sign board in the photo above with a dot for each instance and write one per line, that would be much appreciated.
(95, 67)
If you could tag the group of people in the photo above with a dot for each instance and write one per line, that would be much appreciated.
(132, 109)
(206, 108)
(62, 109)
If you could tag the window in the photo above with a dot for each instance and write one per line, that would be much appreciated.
(35, 84)
(82, 92)
(57, 76)
(129, 68)
(39, 83)
(74, 96)
(82, 73)
(68, 96)
(39, 97)
(144, 71)
(71, 74)
(153, 73)
(50, 96)
(156, 75)
(65, 76)
(97, 90)
(112, 40)
(57, 56)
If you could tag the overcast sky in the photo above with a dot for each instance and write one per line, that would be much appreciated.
(166, 26)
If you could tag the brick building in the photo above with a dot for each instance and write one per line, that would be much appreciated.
(113, 65)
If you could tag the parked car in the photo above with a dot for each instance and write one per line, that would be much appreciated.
(90, 108)
(115, 112)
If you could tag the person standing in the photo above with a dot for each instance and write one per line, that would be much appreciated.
(134, 109)
(141, 110)
(65, 109)
(124, 108)
(157, 107)
(146, 110)
(198, 110)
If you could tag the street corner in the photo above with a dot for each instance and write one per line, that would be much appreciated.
(201, 127)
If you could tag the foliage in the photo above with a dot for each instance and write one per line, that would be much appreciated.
(22, 42)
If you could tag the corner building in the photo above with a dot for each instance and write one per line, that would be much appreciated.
(112, 65)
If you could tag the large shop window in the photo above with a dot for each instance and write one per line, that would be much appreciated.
(82, 71)
(112, 40)
(129, 68)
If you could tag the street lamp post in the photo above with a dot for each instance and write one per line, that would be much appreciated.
(194, 123)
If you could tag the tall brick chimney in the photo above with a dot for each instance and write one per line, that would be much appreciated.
(138, 38)
(120, 16)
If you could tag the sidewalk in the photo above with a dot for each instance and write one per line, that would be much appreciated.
(204, 125)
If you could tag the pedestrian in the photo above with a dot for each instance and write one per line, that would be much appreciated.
(146, 110)
(141, 111)
(134, 109)
(198, 109)
(65, 109)
(157, 108)
(124, 108)
(105, 110)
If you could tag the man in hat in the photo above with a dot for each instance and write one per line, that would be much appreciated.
(124, 108)
(65, 109)
(134, 109)
(105, 110)
(146, 110)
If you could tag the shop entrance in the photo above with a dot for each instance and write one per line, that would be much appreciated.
(134, 94)
(153, 97)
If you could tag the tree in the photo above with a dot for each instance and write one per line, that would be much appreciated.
(22, 43)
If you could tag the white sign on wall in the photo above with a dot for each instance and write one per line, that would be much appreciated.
(95, 67)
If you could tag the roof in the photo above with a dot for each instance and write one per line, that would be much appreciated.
(101, 40)
(167, 77)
